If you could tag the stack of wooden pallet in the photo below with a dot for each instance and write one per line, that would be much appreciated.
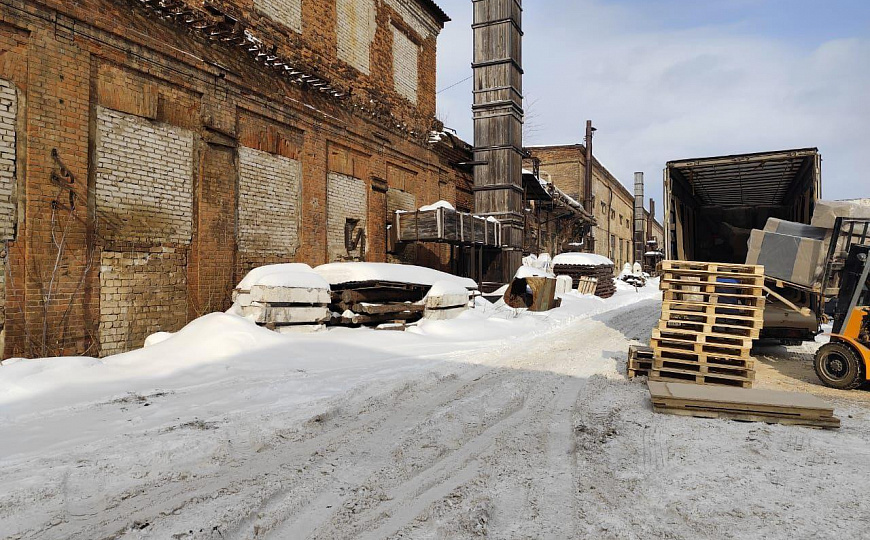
(640, 361)
(711, 313)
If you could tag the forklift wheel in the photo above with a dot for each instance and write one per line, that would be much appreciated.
(839, 366)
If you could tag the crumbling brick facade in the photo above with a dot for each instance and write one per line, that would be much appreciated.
(147, 162)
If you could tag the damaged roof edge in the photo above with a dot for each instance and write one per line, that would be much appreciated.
(436, 10)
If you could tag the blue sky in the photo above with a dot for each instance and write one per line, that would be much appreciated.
(672, 79)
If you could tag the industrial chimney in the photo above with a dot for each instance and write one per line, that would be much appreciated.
(498, 125)
(639, 219)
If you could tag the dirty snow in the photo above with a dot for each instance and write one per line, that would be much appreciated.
(500, 424)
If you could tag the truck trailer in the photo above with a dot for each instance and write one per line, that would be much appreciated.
(712, 204)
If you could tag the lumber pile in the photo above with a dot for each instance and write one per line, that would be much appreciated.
(374, 303)
(750, 405)
(711, 313)
(284, 308)
(605, 286)
(640, 361)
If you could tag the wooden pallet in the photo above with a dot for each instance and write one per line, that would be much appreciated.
(640, 361)
(717, 298)
(709, 338)
(741, 404)
(704, 358)
(731, 289)
(753, 313)
(671, 375)
(704, 368)
(685, 313)
(704, 327)
(704, 277)
(659, 344)
(711, 267)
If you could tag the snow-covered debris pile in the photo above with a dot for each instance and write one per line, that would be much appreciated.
(579, 265)
(633, 275)
(376, 294)
(284, 297)
(446, 300)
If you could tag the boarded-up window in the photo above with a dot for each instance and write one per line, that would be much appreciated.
(405, 61)
(143, 179)
(356, 24)
(401, 178)
(347, 211)
(141, 292)
(268, 203)
(286, 12)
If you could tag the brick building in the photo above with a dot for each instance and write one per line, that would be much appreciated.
(153, 151)
(613, 203)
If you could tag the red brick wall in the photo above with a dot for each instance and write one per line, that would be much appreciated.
(98, 53)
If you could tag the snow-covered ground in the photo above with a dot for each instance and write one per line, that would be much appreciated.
(498, 424)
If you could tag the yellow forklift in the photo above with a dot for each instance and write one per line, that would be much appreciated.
(844, 362)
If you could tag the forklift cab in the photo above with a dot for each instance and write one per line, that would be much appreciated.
(844, 362)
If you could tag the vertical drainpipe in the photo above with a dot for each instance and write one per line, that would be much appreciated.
(587, 187)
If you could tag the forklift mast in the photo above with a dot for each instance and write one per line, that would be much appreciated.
(854, 285)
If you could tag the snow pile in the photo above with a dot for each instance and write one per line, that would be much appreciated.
(360, 272)
(296, 275)
(531, 271)
(581, 259)
(436, 206)
(542, 261)
(447, 287)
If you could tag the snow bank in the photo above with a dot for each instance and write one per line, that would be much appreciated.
(357, 272)
(297, 275)
(447, 287)
(531, 271)
(581, 259)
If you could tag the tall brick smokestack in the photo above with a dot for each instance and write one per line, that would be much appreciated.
(498, 123)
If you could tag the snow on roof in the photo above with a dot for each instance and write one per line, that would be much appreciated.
(581, 259)
(654, 254)
(437, 205)
(358, 272)
(296, 275)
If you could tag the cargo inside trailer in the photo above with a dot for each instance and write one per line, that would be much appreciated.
(712, 204)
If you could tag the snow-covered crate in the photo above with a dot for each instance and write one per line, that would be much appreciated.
(578, 265)
(441, 223)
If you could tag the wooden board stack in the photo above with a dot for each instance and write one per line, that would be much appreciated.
(711, 313)
(285, 309)
(640, 361)
(587, 285)
(741, 404)
(377, 303)
(605, 286)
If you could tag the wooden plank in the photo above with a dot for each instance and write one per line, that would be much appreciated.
(379, 294)
(382, 309)
(733, 399)
(828, 423)
(698, 379)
